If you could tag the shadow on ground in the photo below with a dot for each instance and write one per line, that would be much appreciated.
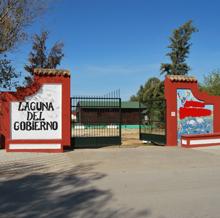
(30, 190)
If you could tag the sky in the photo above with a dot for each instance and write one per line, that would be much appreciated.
(119, 44)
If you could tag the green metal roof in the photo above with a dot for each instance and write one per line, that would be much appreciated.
(130, 104)
(98, 104)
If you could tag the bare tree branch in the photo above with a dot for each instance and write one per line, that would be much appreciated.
(15, 15)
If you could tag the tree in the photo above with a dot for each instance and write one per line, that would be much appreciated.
(211, 83)
(180, 47)
(6, 75)
(15, 15)
(38, 57)
(150, 95)
(152, 89)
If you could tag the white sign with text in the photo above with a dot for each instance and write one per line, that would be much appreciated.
(39, 116)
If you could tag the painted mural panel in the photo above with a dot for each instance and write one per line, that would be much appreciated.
(193, 115)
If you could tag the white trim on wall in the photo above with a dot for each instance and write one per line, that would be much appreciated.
(184, 142)
(34, 146)
(204, 141)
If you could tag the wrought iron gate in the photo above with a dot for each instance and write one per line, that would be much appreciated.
(153, 122)
(2, 141)
(95, 121)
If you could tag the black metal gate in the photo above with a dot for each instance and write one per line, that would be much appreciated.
(153, 122)
(2, 141)
(95, 122)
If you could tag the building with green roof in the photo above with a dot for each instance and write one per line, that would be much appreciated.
(103, 112)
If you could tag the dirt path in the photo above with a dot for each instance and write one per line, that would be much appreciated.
(130, 138)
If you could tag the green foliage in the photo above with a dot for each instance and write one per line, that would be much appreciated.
(152, 89)
(38, 57)
(7, 75)
(180, 47)
(150, 95)
(211, 83)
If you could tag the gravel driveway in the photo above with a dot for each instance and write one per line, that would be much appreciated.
(157, 182)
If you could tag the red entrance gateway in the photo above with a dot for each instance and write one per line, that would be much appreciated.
(193, 111)
(37, 117)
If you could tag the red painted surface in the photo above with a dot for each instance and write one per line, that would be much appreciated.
(194, 104)
(7, 97)
(171, 101)
(193, 112)
(188, 138)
